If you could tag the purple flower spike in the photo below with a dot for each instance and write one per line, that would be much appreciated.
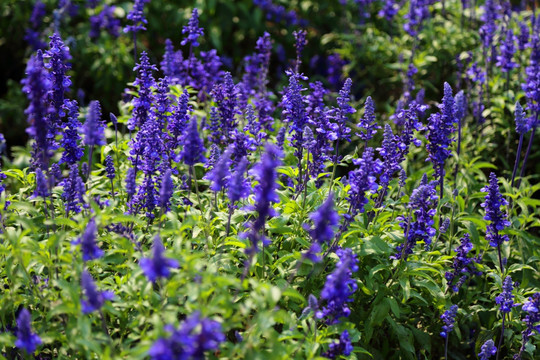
(449, 318)
(219, 174)
(342, 347)
(192, 340)
(498, 222)
(136, 16)
(93, 128)
(339, 288)
(109, 167)
(506, 300)
(89, 248)
(193, 151)
(487, 350)
(238, 187)
(26, 339)
(158, 266)
(192, 30)
(368, 123)
(93, 299)
(166, 190)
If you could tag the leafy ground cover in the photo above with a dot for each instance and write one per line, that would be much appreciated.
(220, 214)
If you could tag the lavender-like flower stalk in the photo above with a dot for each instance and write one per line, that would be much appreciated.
(26, 339)
(158, 266)
(498, 222)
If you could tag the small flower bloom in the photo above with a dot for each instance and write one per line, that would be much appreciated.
(449, 318)
(158, 266)
(93, 299)
(238, 187)
(26, 339)
(498, 222)
(463, 266)
(192, 30)
(42, 189)
(219, 174)
(506, 300)
(522, 124)
(136, 16)
(193, 151)
(89, 248)
(109, 167)
(73, 190)
(192, 340)
(339, 287)
(487, 350)
(342, 347)
(368, 123)
(93, 128)
(166, 190)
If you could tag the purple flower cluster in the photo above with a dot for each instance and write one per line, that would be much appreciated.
(58, 55)
(278, 13)
(33, 35)
(93, 298)
(342, 112)
(391, 156)
(225, 95)
(192, 340)
(463, 266)
(94, 128)
(109, 167)
(89, 248)
(71, 138)
(361, 180)
(368, 123)
(508, 49)
(105, 20)
(265, 194)
(449, 318)
(192, 30)
(418, 12)
(157, 266)
(294, 111)
(221, 171)
(441, 127)
(136, 16)
(193, 151)
(166, 190)
(325, 219)
(492, 204)
(238, 186)
(422, 204)
(73, 191)
(522, 125)
(532, 308)
(26, 339)
(142, 103)
(37, 85)
(506, 300)
(342, 347)
(487, 350)
(339, 288)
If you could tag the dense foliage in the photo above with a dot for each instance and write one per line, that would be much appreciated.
(265, 209)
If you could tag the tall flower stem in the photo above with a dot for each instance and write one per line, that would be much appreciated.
(335, 166)
(500, 259)
(522, 172)
(231, 210)
(501, 339)
(87, 175)
(518, 155)
(446, 347)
